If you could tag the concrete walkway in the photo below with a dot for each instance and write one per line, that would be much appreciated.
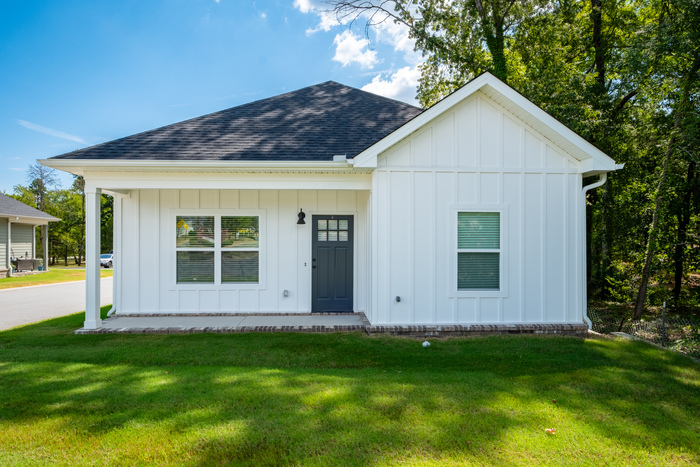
(184, 324)
(25, 305)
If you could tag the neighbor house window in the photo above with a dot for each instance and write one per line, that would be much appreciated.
(217, 249)
(478, 250)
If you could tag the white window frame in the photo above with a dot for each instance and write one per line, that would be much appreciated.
(502, 291)
(217, 214)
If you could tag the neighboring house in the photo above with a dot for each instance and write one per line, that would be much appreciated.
(17, 239)
(470, 212)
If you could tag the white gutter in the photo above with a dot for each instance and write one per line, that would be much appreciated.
(584, 288)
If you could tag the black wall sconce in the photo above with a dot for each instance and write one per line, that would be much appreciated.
(301, 217)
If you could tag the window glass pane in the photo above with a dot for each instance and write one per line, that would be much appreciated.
(332, 236)
(343, 224)
(342, 236)
(240, 232)
(239, 266)
(323, 236)
(195, 231)
(322, 225)
(478, 271)
(195, 266)
(478, 230)
(333, 224)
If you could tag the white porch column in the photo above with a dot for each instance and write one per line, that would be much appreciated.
(8, 248)
(45, 243)
(34, 242)
(92, 259)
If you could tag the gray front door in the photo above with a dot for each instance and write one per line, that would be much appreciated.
(331, 263)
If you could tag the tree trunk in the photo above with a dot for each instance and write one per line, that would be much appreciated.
(493, 34)
(599, 49)
(683, 222)
(606, 238)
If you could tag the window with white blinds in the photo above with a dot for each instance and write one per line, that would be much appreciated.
(478, 250)
(217, 249)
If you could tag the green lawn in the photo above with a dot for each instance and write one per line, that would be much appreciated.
(340, 399)
(52, 276)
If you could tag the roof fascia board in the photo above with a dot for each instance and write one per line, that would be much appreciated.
(102, 163)
(594, 157)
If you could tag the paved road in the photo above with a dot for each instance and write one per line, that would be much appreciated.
(24, 305)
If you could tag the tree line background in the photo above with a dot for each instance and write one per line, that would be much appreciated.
(66, 237)
(623, 74)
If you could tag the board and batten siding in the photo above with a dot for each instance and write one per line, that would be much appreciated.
(145, 251)
(22, 240)
(476, 156)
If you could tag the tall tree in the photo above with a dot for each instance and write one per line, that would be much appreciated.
(41, 179)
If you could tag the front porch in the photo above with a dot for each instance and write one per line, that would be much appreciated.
(236, 323)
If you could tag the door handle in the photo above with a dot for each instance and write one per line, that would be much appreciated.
(313, 266)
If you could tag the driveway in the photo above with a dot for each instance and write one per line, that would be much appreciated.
(24, 305)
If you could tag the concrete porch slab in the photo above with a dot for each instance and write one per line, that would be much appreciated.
(308, 322)
(230, 323)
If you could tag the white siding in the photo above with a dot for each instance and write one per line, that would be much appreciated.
(147, 254)
(481, 156)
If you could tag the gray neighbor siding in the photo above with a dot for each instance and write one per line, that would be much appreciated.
(3, 242)
(22, 240)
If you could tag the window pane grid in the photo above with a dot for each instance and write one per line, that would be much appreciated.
(478, 230)
(478, 250)
(195, 266)
(217, 249)
(239, 266)
(478, 271)
(195, 231)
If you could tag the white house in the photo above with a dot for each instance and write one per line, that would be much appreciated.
(470, 212)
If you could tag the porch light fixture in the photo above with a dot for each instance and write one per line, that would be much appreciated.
(301, 217)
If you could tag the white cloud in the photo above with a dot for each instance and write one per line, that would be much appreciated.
(49, 131)
(304, 6)
(387, 31)
(396, 35)
(16, 169)
(328, 19)
(350, 48)
(263, 15)
(401, 85)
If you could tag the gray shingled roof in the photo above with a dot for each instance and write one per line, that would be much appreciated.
(10, 207)
(310, 124)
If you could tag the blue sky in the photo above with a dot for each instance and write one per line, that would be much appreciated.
(78, 73)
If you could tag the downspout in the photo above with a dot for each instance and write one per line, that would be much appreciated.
(584, 288)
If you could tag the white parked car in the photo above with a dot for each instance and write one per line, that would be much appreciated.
(107, 260)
